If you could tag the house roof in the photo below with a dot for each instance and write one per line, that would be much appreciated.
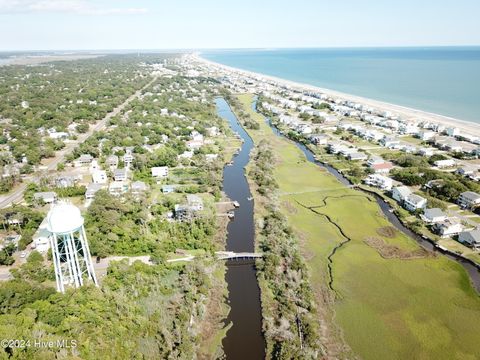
(434, 213)
(94, 187)
(139, 185)
(46, 194)
(470, 195)
(403, 190)
(474, 235)
(120, 172)
(415, 199)
(381, 166)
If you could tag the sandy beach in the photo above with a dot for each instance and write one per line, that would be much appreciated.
(403, 112)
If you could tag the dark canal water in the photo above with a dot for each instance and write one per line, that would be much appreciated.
(244, 339)
(472, 270)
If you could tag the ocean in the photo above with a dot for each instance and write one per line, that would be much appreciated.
(442, 80)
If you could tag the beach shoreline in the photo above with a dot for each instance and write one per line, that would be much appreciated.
(405, 113)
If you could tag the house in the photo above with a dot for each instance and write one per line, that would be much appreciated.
(336, 147)
(212, 131)
(469, 199)
(12, 239)
(112, 162)
(195, 202)
(448, 227)
(414, 202)
(426, 151)
(467, 170)
(138, 187)
(470, 238)
(91, 190)
(41, 238)
(211, 157)
(128, 157)
(185, 155)
(452, 131)
(48, 197)
(380, 181)
(167, 189)
(99, 177)
(65, 181)
(357, 156)
(379, 165)
(444, 163)
(389, 141)
(182, 212)
(118, 188)
(319, 139)
(383, 168)
(400, 193)
(433, 216)
(83, 160)
(120, 175)
(375, 159)
(160, 171)
(194, 144)
(426, 135)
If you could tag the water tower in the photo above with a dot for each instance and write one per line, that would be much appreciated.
(70, 252)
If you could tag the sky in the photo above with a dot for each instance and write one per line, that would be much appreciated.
(202, 24)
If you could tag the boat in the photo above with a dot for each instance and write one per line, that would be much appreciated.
(230, 214)
(236, 204)
(250, 198)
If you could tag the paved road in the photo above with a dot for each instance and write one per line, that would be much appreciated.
(17, 194)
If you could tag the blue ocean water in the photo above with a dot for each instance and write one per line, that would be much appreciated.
(443, 80)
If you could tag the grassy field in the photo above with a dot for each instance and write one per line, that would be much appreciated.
(387, 307)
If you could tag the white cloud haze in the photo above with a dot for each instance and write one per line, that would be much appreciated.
(80, 7)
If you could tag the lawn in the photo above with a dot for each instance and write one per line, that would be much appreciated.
(388, 308)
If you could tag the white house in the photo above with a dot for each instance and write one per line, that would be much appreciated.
(433, 216)
(400, 193)
(112, 162)
(160, 171)
(444, 163)
(117, 188)
(99, 177)
(426, 151)
(452, 131)
(128, 158)
(41, 238)
(83, 160)
(211, 157)
(380, 181)
(426, 135)
(92, 190)
(138, 187)
(48, 197)
(357, 156)
(414, 202)
(389, 141)
(120, 175)
(212, 131)
(448, 227)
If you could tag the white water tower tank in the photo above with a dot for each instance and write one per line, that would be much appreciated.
(70, 251)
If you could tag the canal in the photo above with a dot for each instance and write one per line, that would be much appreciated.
(244, 340)
(472, 270)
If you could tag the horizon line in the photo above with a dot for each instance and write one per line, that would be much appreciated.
(270, 48)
